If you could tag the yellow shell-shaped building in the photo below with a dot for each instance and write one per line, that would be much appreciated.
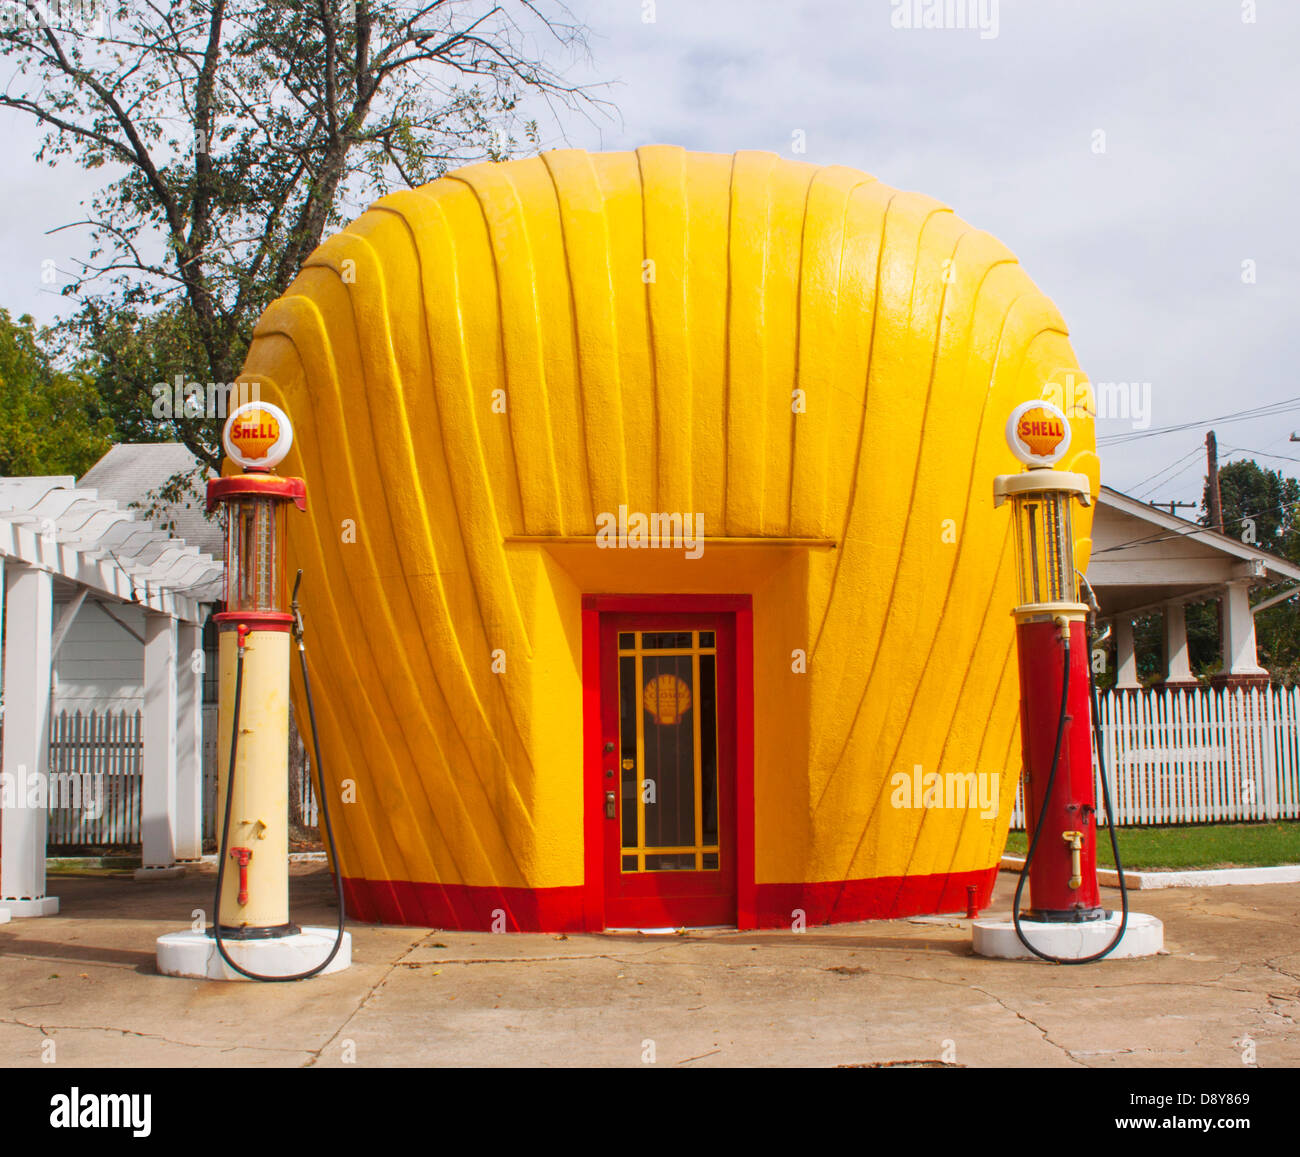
(652, 569)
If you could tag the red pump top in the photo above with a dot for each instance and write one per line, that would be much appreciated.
(257, 486)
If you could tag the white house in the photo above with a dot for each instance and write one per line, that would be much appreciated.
(1147, 561)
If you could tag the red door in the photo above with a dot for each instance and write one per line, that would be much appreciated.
(667, 712)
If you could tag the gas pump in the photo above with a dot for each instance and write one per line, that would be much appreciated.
(1066, 923)
(252, 936)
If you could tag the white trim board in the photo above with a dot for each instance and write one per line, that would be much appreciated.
(1194, 878)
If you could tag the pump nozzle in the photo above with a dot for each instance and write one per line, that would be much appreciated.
(1098, 632)
(297, 611)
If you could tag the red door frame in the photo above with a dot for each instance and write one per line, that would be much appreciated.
(741, 608)
(694, 898)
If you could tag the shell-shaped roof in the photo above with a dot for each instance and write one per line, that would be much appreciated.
(792, 351)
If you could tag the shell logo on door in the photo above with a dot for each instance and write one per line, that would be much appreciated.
(667, 698)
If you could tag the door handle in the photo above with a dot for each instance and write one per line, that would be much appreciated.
(611, 808)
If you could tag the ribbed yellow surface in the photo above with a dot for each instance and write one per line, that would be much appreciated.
(789, 350)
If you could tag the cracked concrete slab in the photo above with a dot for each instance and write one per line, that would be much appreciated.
(872, 993)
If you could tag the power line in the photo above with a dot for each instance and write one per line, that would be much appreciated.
(1194, 451)
(1173, 477)
(1262, 453)
(1135, 488)
(1286, 406)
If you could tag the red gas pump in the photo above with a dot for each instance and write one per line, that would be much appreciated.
(1052, 643)
(1066, 922)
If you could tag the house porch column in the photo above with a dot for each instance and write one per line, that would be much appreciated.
(1125, 656)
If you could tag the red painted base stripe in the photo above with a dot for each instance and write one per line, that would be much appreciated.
(886, 898)
(463, 907)
(469, 908)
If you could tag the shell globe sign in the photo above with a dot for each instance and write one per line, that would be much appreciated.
(257, 436)
(1038, 433)
(534, 730)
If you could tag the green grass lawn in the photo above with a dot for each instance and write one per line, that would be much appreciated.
(1199, 846)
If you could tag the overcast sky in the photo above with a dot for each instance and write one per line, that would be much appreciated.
(1141, 246)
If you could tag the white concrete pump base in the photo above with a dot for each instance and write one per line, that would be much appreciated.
(45, 906)
(996, 936)
(195, 954)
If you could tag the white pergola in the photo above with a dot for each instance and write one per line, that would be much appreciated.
(59, 547)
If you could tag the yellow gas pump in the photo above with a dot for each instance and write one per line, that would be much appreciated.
(252, 936)
(254, 630)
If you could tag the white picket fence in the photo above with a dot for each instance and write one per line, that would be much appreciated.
(95, 780)
(1199, 755)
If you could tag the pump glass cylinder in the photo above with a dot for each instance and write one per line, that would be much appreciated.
(254, 548)
(1045, 547)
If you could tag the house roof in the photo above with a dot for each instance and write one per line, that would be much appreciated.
(1143, 556)
(131, 470)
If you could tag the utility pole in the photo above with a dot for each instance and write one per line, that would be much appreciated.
(1173, 506)
(1212, 462)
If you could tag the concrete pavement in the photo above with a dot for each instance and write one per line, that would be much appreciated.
(904, 991)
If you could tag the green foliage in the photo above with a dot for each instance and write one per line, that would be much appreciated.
(1259, 507)
(51, 421)
(1148, 643)
(1203, 649)
(130, 351)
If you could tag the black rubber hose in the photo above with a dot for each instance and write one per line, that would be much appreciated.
(1110, 814)
(1042, 817)
(320, 795)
